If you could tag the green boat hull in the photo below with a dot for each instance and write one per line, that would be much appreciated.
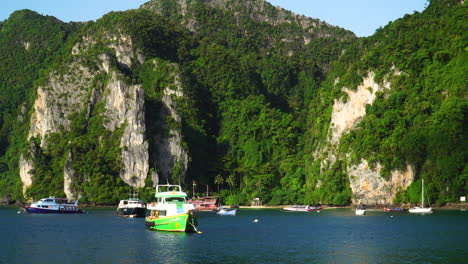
(176, 223)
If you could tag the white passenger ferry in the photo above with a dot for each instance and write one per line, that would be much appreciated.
(53, 205)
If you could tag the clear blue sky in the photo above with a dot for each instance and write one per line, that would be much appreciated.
(362, 17)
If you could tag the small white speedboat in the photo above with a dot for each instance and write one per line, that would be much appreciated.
(297, 208)
(227, 211)
(360, 211)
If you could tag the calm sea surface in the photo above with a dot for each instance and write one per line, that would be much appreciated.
(331, 236)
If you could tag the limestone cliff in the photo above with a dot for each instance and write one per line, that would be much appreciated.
(370, 188)
(65, 92)
(367, 184)
(125, 107)
(346, 114)
(81, 85)
(167, 148)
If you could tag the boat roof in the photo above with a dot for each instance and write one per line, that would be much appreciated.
(53, 197)
(170, 194)
(169, 190)
(168, 187)
(133, 199)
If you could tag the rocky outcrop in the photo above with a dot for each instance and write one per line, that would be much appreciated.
(26, 166)
(72, 88)
(347, 113)
(370, 188)
(75, 88)
(123, 47)
(367, 184)
(256, 10)
(68, 179)
(167, 148)
(125, 107)
(66, 92)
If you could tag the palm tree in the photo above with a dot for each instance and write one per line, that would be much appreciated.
(218, 180)
(231, 181)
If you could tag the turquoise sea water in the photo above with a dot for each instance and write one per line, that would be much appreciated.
(331, 236)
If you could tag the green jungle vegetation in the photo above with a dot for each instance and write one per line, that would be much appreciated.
(257, 102)
(29, 44)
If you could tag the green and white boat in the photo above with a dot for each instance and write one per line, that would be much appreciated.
(171, 212)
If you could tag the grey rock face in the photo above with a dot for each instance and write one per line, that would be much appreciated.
(367, 184)
(25, 167)
(125, 106)
(68, 179)
(75, 88)
(167, 148)
(64, 94)
(370, 188)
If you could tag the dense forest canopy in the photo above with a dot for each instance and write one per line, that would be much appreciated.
(257, 101)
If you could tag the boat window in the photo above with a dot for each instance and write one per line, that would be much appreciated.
(175, 199)
(162, 212)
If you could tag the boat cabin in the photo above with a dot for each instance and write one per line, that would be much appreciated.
(170, 200)
(130, 203)
(206, 203)
(53, 204)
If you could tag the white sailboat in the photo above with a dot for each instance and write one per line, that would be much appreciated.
(421, 209)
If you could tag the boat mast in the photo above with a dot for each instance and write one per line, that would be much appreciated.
(422, 193)
(193, 189)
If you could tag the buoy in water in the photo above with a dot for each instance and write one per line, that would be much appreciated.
(255, 220)
(318, 211)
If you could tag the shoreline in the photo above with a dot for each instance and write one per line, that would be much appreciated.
(448, 206)
(369, 207)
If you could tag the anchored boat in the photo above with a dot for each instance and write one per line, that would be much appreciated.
(227, 211)
(206, 203)
(302, 208)
(361, 210)
(171, 212)
(131, 207)
(394, 209)
(421, 209)
(52, 205)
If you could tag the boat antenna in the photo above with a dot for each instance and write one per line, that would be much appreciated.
(193, 189)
